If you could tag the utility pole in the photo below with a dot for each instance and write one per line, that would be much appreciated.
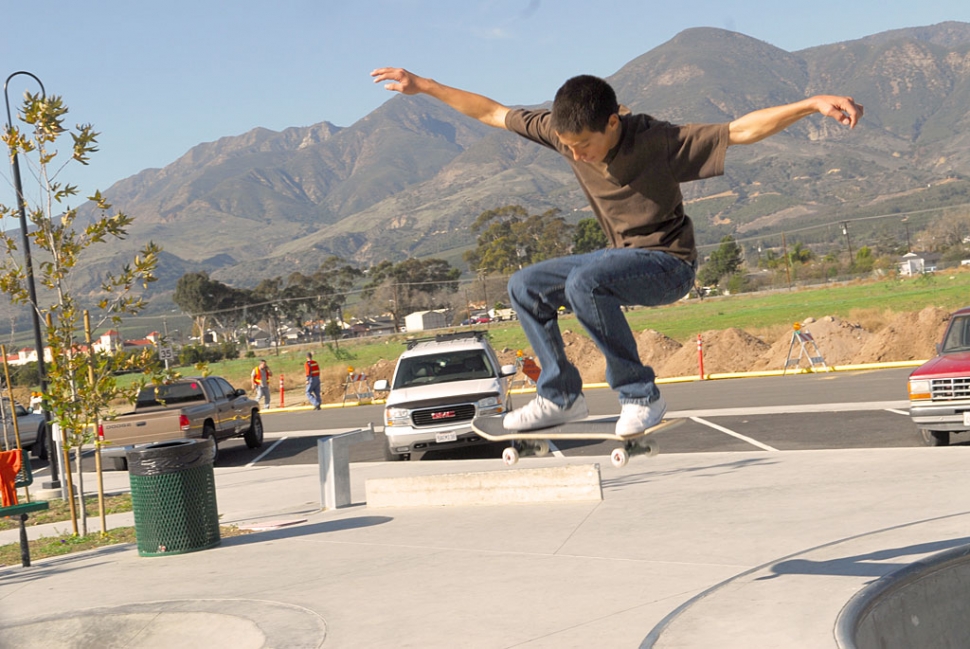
(848, 243)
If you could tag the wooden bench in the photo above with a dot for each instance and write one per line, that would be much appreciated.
(24, 478)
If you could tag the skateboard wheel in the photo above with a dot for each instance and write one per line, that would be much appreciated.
(651, 448)
(510, 456)
(542, 448)
(619, 457)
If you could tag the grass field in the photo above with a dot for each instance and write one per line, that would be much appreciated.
(870, 303)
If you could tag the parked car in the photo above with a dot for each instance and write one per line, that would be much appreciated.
(31, 427)
(939, 390)
(440, 384)
(193, 407)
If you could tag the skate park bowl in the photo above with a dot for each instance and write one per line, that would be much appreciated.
(926, 604)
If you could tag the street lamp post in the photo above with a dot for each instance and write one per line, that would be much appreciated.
(55, 482)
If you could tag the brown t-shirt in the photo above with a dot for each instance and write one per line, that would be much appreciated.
(635, 192)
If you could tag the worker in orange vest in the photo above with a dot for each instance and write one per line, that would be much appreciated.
(261, 374)
(312, 370)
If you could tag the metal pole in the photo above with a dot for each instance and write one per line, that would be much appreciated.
(848, 244)
(55, 482)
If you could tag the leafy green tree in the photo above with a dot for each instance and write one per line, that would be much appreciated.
(589, 237)
(325, 291)
(410, 284)
(200, 296)
(509, 239)
(81, 383)
(726, 260)
(864, 260)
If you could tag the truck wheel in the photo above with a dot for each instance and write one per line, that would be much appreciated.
(39, 450)
(935, 437)
(120, 463)
(254, 435)
(208, 430)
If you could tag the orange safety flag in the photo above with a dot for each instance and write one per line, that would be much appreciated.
(9, 468)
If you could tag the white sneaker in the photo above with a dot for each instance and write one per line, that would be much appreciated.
(634, 418)
(542, 413)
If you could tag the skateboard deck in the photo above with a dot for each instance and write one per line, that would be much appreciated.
(536, 442)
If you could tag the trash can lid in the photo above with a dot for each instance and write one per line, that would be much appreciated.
(170, 456)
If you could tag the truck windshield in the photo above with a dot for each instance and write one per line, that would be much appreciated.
(443, 368)
(957, 336)
(168, 395)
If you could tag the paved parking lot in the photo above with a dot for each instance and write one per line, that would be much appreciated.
(865, 409)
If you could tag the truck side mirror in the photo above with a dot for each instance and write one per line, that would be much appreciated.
(508, 370)
(381, 385)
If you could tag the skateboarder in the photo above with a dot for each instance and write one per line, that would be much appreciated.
(630, 167)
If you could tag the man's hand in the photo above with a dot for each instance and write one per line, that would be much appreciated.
(401, 80)
(844, 110)
(758, 125)
(485, 110)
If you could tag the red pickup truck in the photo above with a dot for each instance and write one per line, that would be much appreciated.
(939, 390)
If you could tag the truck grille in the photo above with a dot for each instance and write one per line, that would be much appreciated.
(951, 389)
(443, 415)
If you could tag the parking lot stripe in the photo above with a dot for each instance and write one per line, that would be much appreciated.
(555, 450)
(898, 412)
(730, 432)
(267, 451)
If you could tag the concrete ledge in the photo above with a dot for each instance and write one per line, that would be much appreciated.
(922, 605)
(549, 484)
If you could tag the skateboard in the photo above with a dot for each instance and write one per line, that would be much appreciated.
(536, 442)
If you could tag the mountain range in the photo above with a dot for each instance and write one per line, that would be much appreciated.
(409, 178)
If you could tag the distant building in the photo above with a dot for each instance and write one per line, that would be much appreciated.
(422, 320)
(917, 263)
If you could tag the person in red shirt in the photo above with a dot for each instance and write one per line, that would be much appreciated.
(312, 370)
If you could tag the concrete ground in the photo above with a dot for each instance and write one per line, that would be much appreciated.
(741, 549)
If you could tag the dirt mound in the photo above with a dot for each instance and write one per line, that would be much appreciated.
(655, 348)
(909, 336)
(731, 350)
(583, 353)
(333, 380)
(838, 342)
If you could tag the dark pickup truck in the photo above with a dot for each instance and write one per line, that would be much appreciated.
(939, 390)
(194, 407)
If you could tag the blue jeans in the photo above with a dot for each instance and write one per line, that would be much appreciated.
(313, 390)
(595, 286)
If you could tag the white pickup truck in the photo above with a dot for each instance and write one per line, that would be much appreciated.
(440, 384)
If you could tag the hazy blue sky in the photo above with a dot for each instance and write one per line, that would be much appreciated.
(158, 78)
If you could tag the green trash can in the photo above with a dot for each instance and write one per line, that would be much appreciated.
(173, 496)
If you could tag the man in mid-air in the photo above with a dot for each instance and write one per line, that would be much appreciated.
(630, 167)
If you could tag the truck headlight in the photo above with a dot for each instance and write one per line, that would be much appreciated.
(397, 416)
(489, 406)
(920, 389)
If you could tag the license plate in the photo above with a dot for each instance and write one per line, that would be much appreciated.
(441, 438)
(966, 419)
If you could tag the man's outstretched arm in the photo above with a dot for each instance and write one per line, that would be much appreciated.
(485, 110)
(759, 124)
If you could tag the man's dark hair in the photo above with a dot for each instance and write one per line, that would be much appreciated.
(583, 102)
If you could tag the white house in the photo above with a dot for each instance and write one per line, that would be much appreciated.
(421, 320)
(917, 263)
